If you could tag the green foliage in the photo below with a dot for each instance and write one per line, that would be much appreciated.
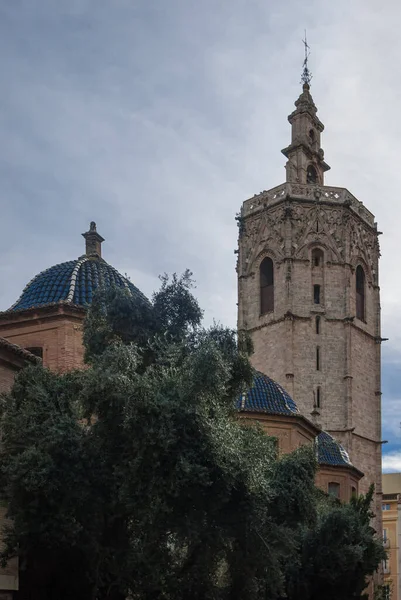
(117, 315)
(133, 477)
(338, 553)
(176, 310)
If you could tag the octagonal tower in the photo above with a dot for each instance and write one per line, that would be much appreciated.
(308, 294)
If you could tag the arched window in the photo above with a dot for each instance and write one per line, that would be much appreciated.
(317, 323)
(317, 257)
(311, 175)
(334, 489)
(360, 293)
(266, 286)
(353, 491)
(316, 294)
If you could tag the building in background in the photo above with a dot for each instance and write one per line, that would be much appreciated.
(391, 511)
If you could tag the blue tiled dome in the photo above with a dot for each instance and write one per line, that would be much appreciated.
(74, 282)
(331, 452)
(266, 396)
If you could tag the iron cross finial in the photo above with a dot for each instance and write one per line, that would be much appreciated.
(306, 76)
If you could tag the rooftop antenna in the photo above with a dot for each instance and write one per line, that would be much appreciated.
(306, 76)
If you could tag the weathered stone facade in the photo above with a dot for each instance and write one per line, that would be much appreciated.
(315, 341)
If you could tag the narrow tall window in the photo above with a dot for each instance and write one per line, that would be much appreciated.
(360, 293)
(353, 491)
(311, 175)
(318, 397)
(316, 294)
(312, 136)
(317, 322)
(317, 257)
(266, 286)
(334, 489)
(317, 358)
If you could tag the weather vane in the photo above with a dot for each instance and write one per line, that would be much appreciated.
(306, 76)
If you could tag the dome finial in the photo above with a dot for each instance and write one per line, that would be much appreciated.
(306, 76)
(93, 241)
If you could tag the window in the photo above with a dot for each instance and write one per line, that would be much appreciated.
(360, 293)
(353, 491)
(317, 358)
(266, 286)
(334, 489)
(386, 507)
(386, 566)
(317, 324)
(386, 592)
(311, 175)
(385, 537)
(318, 397)
(316, 294)
(317, 257)
(37, 351)
(312, 136)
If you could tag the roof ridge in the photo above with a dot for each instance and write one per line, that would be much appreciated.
(4, 343)
(73, 280)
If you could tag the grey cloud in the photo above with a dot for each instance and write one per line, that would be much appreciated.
(157, 119)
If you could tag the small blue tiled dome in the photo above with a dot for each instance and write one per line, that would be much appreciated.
(331, 452)
(266, 396)
(75, 281)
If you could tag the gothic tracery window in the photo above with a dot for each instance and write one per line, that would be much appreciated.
(266, 285)
(360, 293)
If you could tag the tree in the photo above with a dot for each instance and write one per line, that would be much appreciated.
(134, 478)
(116, 314)
(338, 553)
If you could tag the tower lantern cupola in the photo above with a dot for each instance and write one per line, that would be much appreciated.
(305, 156)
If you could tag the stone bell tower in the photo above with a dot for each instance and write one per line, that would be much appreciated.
(308, 293)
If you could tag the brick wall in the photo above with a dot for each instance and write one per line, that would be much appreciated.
(58, 331)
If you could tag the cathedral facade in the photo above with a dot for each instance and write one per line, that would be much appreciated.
(308, 294)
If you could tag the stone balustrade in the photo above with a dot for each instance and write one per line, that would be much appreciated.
(315, 193)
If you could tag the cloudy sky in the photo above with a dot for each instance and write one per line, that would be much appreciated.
(157, 118)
